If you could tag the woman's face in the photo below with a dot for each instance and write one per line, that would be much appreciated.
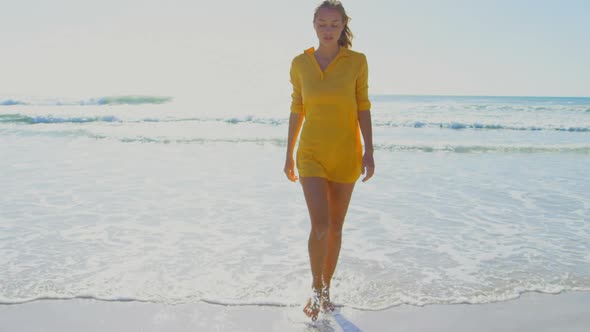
(328, 26)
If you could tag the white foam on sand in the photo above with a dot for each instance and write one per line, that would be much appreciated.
(531, 312)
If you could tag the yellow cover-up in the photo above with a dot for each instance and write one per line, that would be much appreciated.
(330, 141)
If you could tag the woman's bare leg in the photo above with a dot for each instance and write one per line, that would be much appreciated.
(339, 195)
(315, 190)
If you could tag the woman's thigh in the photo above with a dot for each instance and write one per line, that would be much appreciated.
(315, 190)
(339, 195)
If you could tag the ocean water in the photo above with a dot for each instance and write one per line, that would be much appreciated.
(474, 200)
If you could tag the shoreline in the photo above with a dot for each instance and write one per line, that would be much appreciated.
(568, 311)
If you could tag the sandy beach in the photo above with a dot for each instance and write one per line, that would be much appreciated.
(531, 312)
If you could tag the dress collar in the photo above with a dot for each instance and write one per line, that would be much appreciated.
(343, 51)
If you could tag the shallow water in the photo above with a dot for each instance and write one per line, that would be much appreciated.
(475, 199)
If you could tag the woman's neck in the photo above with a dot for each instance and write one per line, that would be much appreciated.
(328, 52)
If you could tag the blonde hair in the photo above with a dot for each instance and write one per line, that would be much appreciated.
(345, 39)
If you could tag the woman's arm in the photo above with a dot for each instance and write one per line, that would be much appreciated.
(368, 166)
(295, 121)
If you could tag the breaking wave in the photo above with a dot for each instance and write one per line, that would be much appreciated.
(24, 119)
(250, 119)
(108, 100)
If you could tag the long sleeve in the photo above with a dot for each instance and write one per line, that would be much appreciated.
(362, 87)
(296, 99)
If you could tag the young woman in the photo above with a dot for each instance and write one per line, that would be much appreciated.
(330, 91)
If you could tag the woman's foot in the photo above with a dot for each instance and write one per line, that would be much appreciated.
(312, 308)
(327, 305)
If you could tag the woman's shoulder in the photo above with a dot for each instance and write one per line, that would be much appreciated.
(356, 54)
(303, 55)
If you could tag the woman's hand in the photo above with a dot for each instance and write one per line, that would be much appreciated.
(368, 166)
(290, 169)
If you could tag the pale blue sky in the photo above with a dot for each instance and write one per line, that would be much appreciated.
(207, 49)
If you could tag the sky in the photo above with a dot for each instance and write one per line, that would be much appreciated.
(240, 51)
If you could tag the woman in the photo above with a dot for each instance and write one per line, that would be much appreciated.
(330, 90)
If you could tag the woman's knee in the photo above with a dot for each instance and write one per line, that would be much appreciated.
(335, 229)
(320, 230)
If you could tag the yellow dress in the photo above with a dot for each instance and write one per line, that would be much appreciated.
(330, 142)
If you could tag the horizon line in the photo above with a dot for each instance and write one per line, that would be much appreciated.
(474, 95)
